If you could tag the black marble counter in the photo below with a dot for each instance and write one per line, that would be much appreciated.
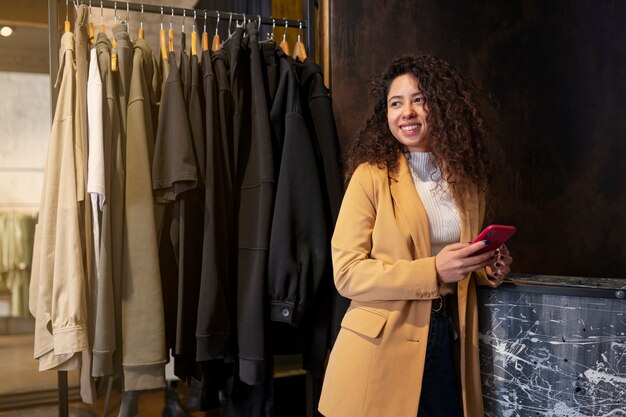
(553, 346)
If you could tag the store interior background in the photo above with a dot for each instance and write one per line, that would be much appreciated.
(25, 119)
(556, 70)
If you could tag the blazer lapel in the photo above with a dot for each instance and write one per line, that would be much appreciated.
(410, 206)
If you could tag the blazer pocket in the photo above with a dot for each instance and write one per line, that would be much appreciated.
(364, 322)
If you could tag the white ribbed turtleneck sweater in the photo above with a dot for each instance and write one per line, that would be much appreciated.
(443, 215)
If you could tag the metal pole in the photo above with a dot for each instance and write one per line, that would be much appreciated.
(309, 9)
(64, 410)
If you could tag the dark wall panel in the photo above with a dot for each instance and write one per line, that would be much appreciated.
(557, 72)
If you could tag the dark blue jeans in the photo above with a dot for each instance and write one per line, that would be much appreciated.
(440, 390)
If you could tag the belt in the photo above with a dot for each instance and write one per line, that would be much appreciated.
(439, 305)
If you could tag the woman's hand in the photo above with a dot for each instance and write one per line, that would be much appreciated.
(501, 265)
(455, 261)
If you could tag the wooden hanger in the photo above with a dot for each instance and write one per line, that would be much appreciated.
(162, 43)
(194, 35)
(284, 45)
(102, 28)
(216, 38)
(141, 32)
(92, 36)
(299, 51)
(66, 26)
(114, 42)
(170, 34)
(205, 36)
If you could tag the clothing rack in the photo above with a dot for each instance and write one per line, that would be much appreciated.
(122, 6)
(54, 39)
(178, 11)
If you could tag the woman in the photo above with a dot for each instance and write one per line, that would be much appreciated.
(419, 175)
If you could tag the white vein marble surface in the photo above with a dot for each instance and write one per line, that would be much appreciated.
(552, 355)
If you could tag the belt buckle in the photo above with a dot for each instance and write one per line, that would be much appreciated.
(437, 304)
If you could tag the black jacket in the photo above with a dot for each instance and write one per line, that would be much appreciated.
(255, 201)
(328, 306)
(299, 238)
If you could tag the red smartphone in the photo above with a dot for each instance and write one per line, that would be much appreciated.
(496, 234)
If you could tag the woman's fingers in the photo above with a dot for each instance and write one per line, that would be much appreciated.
(501, 267)
(456, 260)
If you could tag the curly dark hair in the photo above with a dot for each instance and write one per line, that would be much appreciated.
(455, 108)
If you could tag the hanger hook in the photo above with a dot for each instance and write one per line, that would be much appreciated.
(141, 17)
(67, 13)
(204, 21)
(161, 17)
(115, 12)
(259, 28)
(90, 10)
(184, 15)
(299, 29)
(285, 31)
(230, 21)
(128, 16)
(172, 18)
(193, 24)
(101, 13)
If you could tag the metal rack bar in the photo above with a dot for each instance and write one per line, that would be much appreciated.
(178, 11)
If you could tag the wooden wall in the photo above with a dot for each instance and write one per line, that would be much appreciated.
(557, 70)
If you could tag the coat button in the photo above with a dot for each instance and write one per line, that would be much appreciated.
(285, 312)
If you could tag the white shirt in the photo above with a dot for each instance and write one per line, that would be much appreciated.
(95, 163)
(443, 215)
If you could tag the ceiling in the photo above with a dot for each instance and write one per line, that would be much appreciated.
(27, 49)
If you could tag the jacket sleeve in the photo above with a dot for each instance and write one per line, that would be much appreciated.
(58, 281)
(357, 274)
(298, 243)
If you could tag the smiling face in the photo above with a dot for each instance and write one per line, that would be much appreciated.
(406, 113)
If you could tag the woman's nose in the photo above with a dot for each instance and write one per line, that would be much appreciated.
(408, 112)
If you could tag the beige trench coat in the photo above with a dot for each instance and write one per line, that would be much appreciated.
(382, 261)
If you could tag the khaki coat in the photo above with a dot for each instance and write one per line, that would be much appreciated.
(382, 261)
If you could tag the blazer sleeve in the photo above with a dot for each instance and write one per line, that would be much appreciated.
(358, 274)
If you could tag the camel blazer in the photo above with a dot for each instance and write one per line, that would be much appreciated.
(382, 262)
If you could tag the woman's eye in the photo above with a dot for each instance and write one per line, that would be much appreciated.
(419, 99)
(395, 104)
